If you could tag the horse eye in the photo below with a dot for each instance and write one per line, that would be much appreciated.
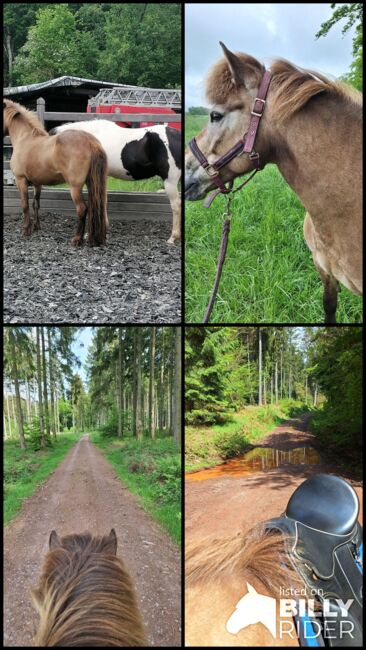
(215, 116)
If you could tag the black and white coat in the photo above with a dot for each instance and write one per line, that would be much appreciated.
(136, 154)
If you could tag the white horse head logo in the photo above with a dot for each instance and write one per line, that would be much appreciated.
(253, 608)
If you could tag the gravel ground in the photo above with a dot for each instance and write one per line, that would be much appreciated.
(135, 278)
(83, 493)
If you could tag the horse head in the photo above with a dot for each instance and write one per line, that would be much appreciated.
(231, 89)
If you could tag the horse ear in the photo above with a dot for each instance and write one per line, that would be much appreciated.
(110, 543)
(243, 74)
(54, 541)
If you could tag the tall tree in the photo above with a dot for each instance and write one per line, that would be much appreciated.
(152, 384)
(139, 426)
(177, 409)
(39, 383)
(15, 376)
(44, 374)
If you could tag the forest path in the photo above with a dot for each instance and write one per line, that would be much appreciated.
(224, 505)
(84, 493)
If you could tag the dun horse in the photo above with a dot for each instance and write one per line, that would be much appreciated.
(75, 158)
(311, 129)
(85, 596)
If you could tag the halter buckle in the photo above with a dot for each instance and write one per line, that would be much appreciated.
(211, 171)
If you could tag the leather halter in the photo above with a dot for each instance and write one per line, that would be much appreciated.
(244, 145)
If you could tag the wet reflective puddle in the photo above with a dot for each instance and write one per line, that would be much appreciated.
(258, 459)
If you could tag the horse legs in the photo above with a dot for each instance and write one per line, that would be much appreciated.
(171, 189)
(36, 197)
(330, 297)
(22, 185)
(331, 286)
(81, 210)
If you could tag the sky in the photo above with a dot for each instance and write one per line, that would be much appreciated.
(266, 31)
(80, 349)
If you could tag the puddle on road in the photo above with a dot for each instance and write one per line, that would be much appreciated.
(258, 459)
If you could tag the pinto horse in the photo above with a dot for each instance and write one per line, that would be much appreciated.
(85, 596)
(76, 158)
(311, 129)
(136, 154)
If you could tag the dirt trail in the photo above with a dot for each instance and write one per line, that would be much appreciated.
(84, 494)
(222, 506)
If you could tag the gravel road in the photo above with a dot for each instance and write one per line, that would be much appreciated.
(84, 493)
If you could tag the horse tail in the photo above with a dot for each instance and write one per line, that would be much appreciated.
(96, 182)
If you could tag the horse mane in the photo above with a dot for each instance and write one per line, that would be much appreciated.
(13, 110)
(85, 597)
(293, 86)
(258, 554)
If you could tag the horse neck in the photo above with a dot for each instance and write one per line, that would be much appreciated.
(313, 145)
(19, 131)
(209, 605)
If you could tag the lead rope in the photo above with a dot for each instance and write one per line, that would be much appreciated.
(223, 245)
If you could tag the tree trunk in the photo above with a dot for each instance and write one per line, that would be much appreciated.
(177, 410)
(120, 371)
(45, 396)
(276, 382)
(9, 52)
(39, 381)
(14, 370)
(315, 394)
(52, 383)
(139, 431)
(259, 367)
(152, 384)
(306, 389)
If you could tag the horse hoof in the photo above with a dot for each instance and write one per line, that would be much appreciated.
(173, 240)
(27, 231)
(76, 241)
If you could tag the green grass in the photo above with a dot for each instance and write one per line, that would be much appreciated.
(151, 470)
(208, 446)
(118, 185)
(25, 469)
(269, 275)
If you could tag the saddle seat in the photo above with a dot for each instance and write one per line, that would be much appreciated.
(325, 503)
(323, 540)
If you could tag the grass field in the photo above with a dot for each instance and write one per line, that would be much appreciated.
(25, 469)
(269, 275)
(151, 470)
(117, 185)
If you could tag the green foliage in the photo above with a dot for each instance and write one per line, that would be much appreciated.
(127, 42)
(32, 434)
(198, 110)
(337, 365)
(230, 445)
(24, 469)
(167, 474)
(353, 12)
(53, 47)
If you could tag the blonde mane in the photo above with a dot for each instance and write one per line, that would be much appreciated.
(13, 110)
(85, 597)
(254, 554)
(292, 86)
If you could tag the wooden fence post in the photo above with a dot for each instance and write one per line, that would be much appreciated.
(41, 107)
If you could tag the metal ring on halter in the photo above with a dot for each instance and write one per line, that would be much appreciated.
(211, 171)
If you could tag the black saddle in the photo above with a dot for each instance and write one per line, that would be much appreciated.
(323, 540)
